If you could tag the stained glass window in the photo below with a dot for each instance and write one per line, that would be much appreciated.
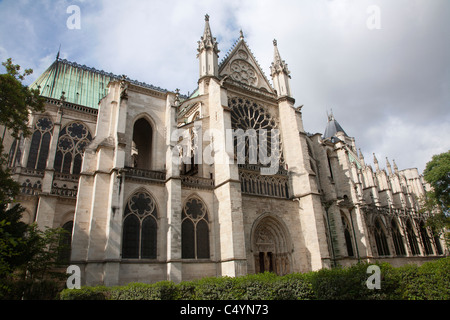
(398, 240)
(347, 235)
(380, 239)
(256, 122)
(412, 239)
(140, 227)
(195, 230)
(72, 141)
(40, 143)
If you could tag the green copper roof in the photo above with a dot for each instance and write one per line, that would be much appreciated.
(81, 85)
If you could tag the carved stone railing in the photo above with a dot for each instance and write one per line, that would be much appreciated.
(258, 167)
(64, 191)
(252, 182)
(66, 177)
(29, 187)
(28, 172)
(197, 182)
(143, 174)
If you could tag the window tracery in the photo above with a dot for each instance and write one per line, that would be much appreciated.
(243, 71)
(40, 143)
(380, 239)
(412, 238)
(398, 240)
(248, 115)
(72, 142)
(195, 230)
(140, 227)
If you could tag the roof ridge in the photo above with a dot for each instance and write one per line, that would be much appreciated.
(111, 75)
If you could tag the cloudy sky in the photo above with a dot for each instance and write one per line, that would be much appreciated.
(383, 67)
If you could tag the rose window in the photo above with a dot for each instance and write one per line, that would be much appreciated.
(243, 72)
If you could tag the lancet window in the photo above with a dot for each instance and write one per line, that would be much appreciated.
(195, 230)
(140, 227)
(72, 141)
(40, 143)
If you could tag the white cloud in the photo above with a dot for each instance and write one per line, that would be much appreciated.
(389, 88)
(411, 145)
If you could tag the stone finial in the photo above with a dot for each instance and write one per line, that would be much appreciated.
(395, 165)
(207, 41)
(278, 64)
(388, 165)
(375, 162)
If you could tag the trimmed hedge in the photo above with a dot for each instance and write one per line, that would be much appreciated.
(429, 281)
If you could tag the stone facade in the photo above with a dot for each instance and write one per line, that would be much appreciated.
(110, 175)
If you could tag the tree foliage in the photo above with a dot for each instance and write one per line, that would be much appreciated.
(17, 100)
(437, 174)
(27, 254)
(437, 200)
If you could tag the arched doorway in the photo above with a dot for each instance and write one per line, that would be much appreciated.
(271, 246)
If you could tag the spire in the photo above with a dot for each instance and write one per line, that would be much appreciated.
(208, 52)
(332, 127)
(280, 73)
(375, 162)
(361, 157)
(278, 65)
(395, 166)
(207, 41)
(388, 165)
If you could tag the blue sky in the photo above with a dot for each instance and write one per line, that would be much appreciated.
(388, 87)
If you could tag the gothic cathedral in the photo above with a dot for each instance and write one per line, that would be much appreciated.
(153, 185)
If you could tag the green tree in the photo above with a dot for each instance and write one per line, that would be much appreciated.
(16, 103)
(27, 254)
(17, 100)
(437, 200)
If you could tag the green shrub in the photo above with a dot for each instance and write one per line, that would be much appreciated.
(86, 293)
(164, 290)
(30, 290)
(430, 281)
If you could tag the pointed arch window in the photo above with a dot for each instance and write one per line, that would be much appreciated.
(380, 239)
(438, 244)
(347, 235)
(425, 239)
(15, 153)
(195, 230)
(40, 143)
(72, 142)
(140, 227)
(412, 239)
(398, 239)
(65, 243)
